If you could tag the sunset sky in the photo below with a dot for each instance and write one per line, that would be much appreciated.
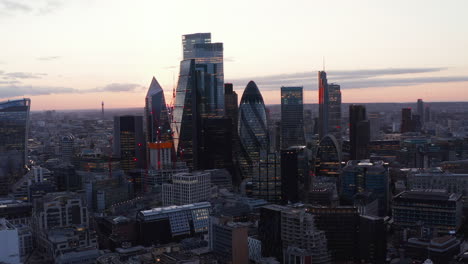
(73, 54)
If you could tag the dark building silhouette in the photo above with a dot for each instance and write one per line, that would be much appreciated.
(216, 145)
(295, 178)
(372, 239)
(341, 226)
(269, 231)
(232, 111)
(410, 122)
(266, 180)
(323, 104)
(359, 132)
(292, 117)
(329, 107)
(421, 112)
(328, 158)
(156, 116)
(129, 142)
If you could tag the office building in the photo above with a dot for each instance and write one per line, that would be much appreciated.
(15, 211)
(173, 223)
(421, 110)
(372, 239)
(334, 110)
(329, 121)
(228, 240)
(187, 188)
(328, 158)
(9, 239)
(359, 132)
(341, 226)
(364, 176)
(323, 192)
(436, 178)
(186, 115)
(253, 129)
(114, 232)
(406, 121)
(292, 117)
(299, 231)
(269, 231)
(156, 115)
(266, 180)
(130, 142)
(67, 147)
(231, 105)
(295, 178)
(439, 250)
(216, 144)
(14, 133)
(437, 210)
(208, 59)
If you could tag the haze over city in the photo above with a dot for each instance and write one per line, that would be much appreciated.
(75, 54)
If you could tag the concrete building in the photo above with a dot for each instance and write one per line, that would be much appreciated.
(228, 240)
(434, 209)
(10, 248)
(187, 188)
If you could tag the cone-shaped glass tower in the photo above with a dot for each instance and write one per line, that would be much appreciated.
(157, 119)
(253, 129)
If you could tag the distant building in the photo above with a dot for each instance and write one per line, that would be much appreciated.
(295, 178)
(364, 176)
(359, 132)
(421, 112)
(328, 158)
(129, 142)
(67, 147)
(253, 129)
(266, 180)
(187, 188)
(324, 102)
(10, 249)
(292, 117)
(329, 121)
(173, 223)
(228, 240)
(14, 134)
(156, 115)
(435, 209)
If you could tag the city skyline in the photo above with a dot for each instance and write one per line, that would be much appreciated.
(379, 53)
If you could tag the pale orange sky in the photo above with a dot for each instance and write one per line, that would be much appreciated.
(75, 51)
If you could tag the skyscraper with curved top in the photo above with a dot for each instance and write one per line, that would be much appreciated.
(252, 129)
(14, 132)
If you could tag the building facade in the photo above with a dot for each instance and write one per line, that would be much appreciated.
(187, 188)
(292, 117)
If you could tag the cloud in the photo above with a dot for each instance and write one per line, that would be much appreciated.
(21, 75)
(48, 58)
(10, 5)
(28, 90)
(118, 87)
(353, 79)
(229, 59)
(50, 7)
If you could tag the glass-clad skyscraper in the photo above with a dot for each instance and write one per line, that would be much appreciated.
(323, 104)
(292, 117)
(253, 129)
(329, 107)
(14, 131)
(156, 116)
(208, 59)
(186, 120)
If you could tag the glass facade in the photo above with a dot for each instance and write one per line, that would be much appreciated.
(208, 59)
(14, 130)
(185, 118)
(156, 114)
(323, 104)
(328, 158)
(252, 130)
(334, 110)
(292, 117)
(266, 180)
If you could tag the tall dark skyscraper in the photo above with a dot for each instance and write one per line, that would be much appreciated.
(329, 107)
(216, 144)
(292, 117)
(253, 129)
(323, 103)
(359, 132)
(156, 116)
(421, 110)
(14, 132)
(231, 104)
(129, 142)
(295, 179)
(186, 123)
(208, 59)
(406, 120)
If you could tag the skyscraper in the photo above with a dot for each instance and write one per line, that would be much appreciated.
(359, 132)
(253, 129)
(329, 107)
(292, 117)
(266, 179)
(156, 116)
(129, 142)
(334, 108)
(295, 180)
(421, 110)
(14, 132)
(208, 59)
(323, 103)
(231, 106)
(186, 118)
(407, 124)
(328, 158)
